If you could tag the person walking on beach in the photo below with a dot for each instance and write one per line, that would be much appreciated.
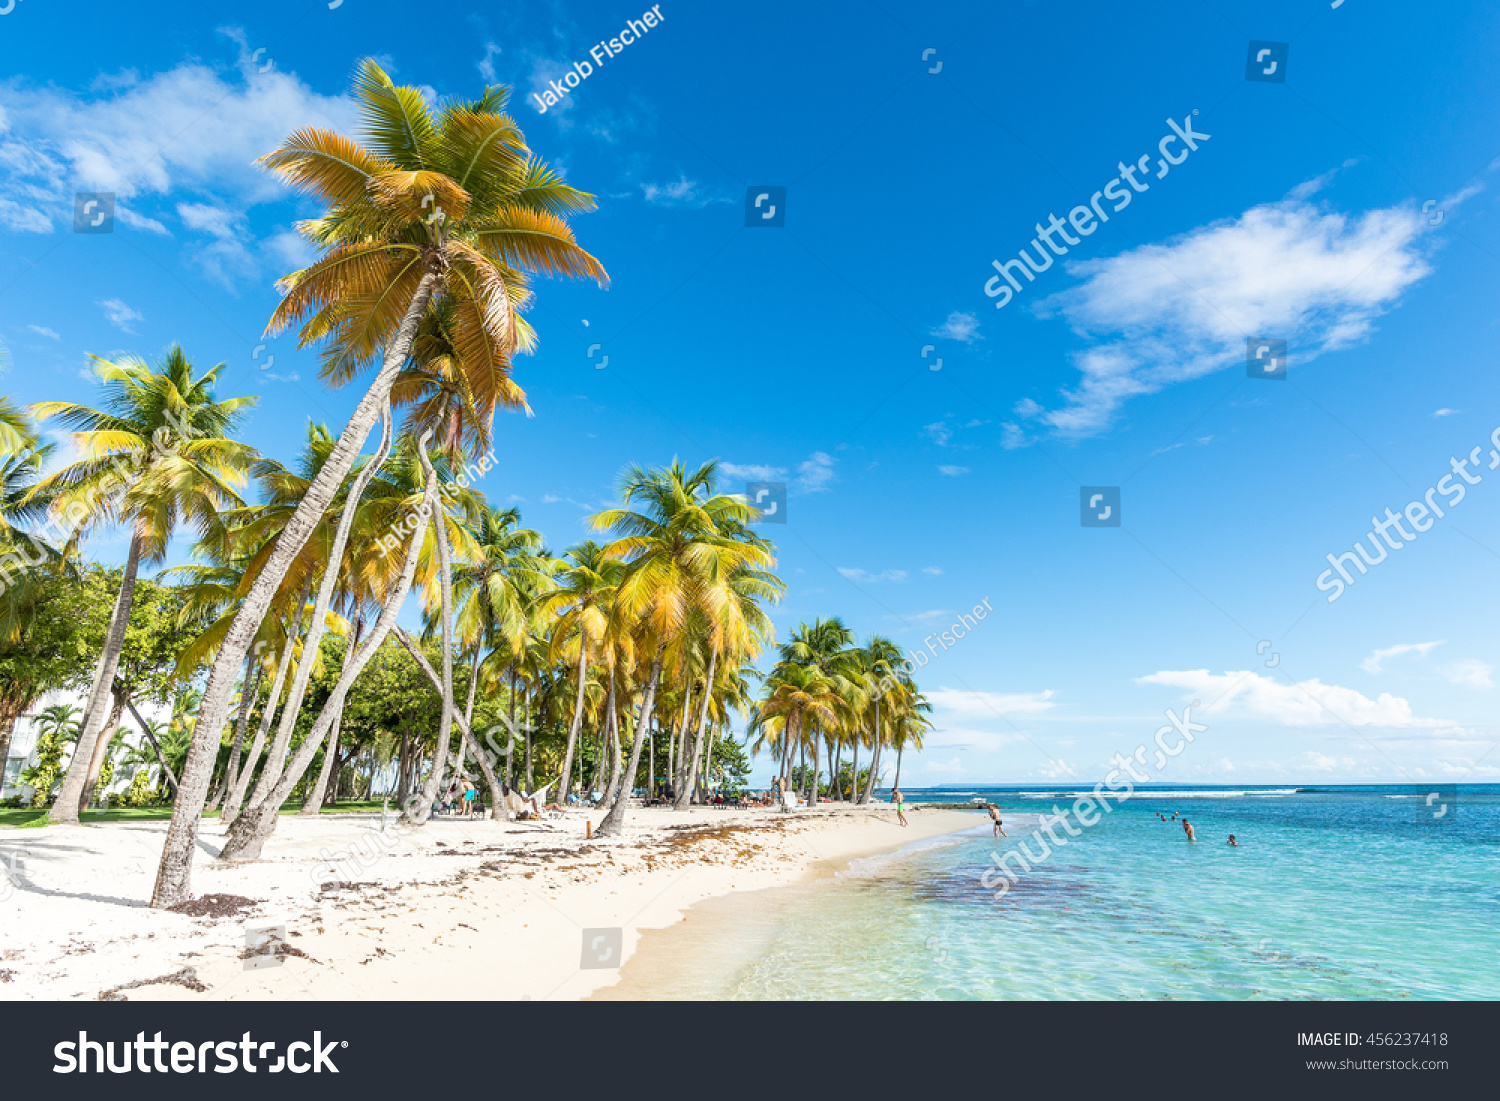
(999, 830)
(1187, 828)
(470, 794)
(899, 800)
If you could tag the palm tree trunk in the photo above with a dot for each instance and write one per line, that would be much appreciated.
(314, 802)
(874, 757)
(613, 718)
(175, 873)
(526, 730)
(326, 587)
(65, 810)
(436, 781)
(854, 769)
(236, 799)
(161, 758)
(899, 750)
(650, 767)
(101, 751)
(247, 697)
(276, 758)
(686, 794)
(486, 765)
(253, 828)
(577, 724)
(614, 821)
(511, 740)
(835, 758)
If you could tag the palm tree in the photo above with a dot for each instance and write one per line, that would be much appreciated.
(158, 454)
(446, 208)
(681, 550)
(885, 667)
(796, 696)
(254, 826)
(577, 607)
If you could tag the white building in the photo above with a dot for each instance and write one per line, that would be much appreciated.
(23, 743)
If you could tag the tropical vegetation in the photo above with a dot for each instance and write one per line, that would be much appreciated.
(617, 666)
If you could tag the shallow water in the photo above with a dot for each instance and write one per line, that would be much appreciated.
(1333, 893)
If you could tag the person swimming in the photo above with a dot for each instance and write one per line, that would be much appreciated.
(1233, 842)
(1187, 828)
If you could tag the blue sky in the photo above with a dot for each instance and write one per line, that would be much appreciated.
(795, 353)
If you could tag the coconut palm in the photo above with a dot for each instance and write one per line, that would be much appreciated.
(578, 609)
(681, 548)
(158, 454)
(446, 208)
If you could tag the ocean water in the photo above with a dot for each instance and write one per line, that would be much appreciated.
(1337, 892)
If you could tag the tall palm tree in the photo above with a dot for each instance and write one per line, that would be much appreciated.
(885, 667)
(681, 547)
(577, 608)
(157, 454)
(446, 208)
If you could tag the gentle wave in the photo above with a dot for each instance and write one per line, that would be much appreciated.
(1159, 794)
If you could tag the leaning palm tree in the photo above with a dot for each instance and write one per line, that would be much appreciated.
(444, 209)
(158, 454)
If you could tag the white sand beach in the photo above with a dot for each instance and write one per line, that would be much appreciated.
(471, 910)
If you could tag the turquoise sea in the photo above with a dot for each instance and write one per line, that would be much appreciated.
(1336, 892)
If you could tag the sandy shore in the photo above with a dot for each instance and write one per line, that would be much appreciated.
(455, 910)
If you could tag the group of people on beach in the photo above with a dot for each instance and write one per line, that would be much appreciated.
(1187, 827)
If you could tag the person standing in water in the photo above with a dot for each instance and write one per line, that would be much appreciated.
(1233, 842)
(1187, 828)
(899, 800)
(999, 830)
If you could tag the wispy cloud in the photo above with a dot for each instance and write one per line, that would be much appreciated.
(865, 577)
(753, 472)
(952, 471)
(815, 472)
(1474, 673)
(1375, 663)
(486, 65)
(967, 704)
(963, 327)
(1308, 703)
(42, 330)
(120, 315)
(681, 192)
(1444, 412)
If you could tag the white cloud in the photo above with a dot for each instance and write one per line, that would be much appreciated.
(1163, 314)
(274, 377)
(1375, 662)
(1308, 703)
(682, 192)
(191, 128)
(959, 326)
(1444, 412)
(863, 576)
(965, 704)
(952, 471)
(486, 65)
(814, 474)
(120, 315)
(753, 472)
(944, 768)
(940, 431)
(1474, 673)
(42, 330)
(933, 570)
